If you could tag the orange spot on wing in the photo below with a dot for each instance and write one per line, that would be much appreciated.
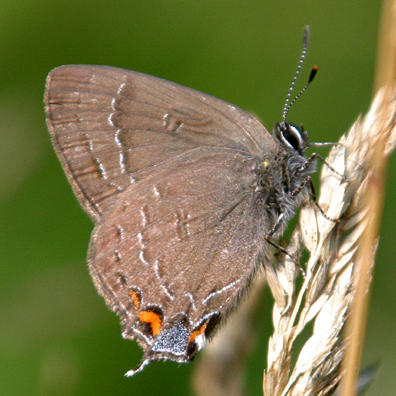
(135, 299)
(197, 332)
(153, 319)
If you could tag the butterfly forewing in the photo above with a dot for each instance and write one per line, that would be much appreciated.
(111, 127)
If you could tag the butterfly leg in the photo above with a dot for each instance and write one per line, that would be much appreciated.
(314, 200)
(279, 247)
(312, 158)
(274, 229)
(286, 253)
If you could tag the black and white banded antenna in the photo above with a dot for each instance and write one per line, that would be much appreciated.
(289, 103)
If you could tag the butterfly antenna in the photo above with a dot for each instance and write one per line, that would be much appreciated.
(289, 103)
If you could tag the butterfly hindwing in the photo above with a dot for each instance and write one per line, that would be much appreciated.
(164, 262)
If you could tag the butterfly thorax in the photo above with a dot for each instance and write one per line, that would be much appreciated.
(283, 179)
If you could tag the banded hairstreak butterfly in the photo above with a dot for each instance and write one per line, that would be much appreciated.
(185, 191)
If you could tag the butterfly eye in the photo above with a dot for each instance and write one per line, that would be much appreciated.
(295, 138)
(291, 136)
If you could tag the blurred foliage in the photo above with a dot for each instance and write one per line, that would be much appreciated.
(56, 335)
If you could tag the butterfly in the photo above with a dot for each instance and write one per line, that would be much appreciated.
(184, 189)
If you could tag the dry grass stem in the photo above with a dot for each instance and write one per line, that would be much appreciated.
(324, 298)
(385, 73)
(373, 202)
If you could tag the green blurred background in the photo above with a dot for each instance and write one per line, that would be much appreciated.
(56, 335)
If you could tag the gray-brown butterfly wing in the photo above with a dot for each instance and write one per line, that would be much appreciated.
(179, 248)
(170, 177)
(110, 127)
